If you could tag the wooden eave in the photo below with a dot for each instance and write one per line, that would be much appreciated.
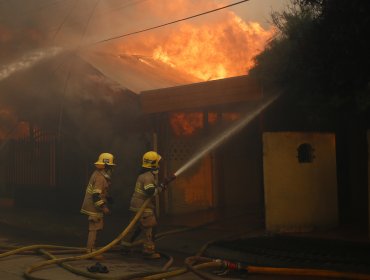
(200, 95)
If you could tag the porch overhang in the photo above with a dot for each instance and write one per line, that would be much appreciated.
(200, 95)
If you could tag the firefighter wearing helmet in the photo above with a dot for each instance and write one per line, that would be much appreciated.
(97, 198)
(146, 187)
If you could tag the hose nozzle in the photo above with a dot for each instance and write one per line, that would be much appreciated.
(167, 181)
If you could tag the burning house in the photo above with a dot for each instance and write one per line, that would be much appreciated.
(175, 92)
(59, 124)
(51, 136)
(244, 175)
(269, 175)
(50, 163)
(183, 119)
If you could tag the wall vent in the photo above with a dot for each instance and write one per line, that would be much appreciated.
(305, 153)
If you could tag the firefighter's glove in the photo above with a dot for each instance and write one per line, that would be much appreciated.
(166, 182)
(162, 187)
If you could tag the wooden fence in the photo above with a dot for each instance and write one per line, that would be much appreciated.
(30, 161)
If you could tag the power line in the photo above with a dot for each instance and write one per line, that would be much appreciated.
(169, 23)
(101, 12)
(88, 20)
(65, 19)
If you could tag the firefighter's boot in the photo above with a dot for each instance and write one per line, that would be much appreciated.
(149, 252)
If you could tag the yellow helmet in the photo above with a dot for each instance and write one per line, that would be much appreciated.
(104, 159)
(151, 160)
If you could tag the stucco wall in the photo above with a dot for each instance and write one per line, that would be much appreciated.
(299, 196)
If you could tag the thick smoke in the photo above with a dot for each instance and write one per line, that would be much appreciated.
(64, 94)
(61, 93)
(69, 98)
(88, 113)
(40, 39)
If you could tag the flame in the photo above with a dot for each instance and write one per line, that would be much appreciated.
(231, 116)
(11, 127)
(186, 124)
(215, 48)
(207, 52)
(212, 118)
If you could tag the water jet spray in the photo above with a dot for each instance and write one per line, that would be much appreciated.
(225, 135)
(27, 61)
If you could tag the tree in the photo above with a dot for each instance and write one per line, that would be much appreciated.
(320, 58)
(320, 62)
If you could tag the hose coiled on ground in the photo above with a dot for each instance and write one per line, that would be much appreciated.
(38, 266)
(192, 263)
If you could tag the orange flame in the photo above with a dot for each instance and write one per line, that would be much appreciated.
(186, 124)
(208, 48)
(11, 127)
(230, 116)
(223, 50)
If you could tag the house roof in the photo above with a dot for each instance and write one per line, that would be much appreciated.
(136, 72)
(198, 95)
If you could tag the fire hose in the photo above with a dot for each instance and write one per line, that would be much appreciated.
(197, 263)
(193, 263)
(237, 266)
(38, 266)
(62, 261)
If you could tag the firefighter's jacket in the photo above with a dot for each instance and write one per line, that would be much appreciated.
(145, 187)
(96, 194)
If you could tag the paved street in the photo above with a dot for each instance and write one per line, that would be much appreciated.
(180, 246)
(12, 268)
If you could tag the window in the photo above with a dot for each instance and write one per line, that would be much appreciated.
(305, 153)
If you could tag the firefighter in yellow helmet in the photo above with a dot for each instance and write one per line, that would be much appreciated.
(146, 187)
(95, 203)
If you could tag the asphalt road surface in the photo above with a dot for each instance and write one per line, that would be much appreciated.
(13, 267)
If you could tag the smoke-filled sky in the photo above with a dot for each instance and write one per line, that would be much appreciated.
(54, 73)
(213, 46)
(34, 24)
(55, 18)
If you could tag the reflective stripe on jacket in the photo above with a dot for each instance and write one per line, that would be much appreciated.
(145, 187)
(96, 194)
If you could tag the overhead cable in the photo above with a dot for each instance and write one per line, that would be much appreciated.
(169, 23)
